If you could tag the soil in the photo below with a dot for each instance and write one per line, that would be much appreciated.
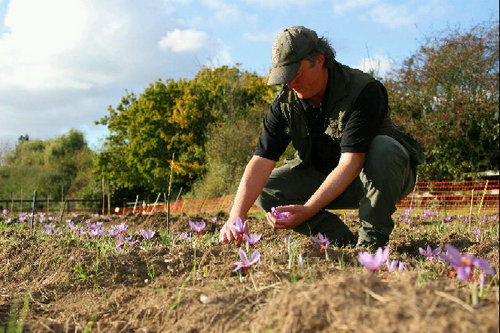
(72, 284)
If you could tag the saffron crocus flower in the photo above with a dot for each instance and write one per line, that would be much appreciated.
(245, 263)
(5, 212)
(112, 232)
(477, 232)
(464, 264)
(198, 227)
(321, 240)
(239, 226)
(121, 228)
(184, 236)
(147, 234)
(252, 239)
(96, 232)
(48, 229)
(392, 264)
(278, 215)
(430, 253)
(373, 262)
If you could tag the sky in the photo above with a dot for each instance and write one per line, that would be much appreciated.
(64, 62)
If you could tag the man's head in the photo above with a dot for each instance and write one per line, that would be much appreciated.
(293, 45)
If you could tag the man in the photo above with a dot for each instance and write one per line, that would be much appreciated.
(349, 153)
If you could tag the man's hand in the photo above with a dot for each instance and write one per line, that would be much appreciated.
(297, 215)
(227, 234)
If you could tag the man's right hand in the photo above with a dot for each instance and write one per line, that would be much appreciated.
(227, 234)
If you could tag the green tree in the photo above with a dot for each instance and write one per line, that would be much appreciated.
(172, 118)
(446, 95)
(46, 166)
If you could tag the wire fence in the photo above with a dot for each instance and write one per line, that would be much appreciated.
(481, 195)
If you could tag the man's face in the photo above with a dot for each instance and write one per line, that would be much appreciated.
(309, 81)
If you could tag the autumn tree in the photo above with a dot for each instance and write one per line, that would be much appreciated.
(173, 119)
(446, 95)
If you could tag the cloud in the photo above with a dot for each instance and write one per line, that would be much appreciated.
(62, 63)
(188, 40)
(379, 64)
(393, 16)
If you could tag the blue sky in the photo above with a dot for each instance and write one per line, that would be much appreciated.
(63, 62)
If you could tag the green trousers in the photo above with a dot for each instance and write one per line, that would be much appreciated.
(387, 177)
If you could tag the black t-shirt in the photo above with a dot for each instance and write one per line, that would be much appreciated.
(366, 118)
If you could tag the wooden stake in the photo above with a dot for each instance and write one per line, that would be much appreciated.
(471, 205)
(168, 196)
(103, 195)
(482, 198)
(135, 205)
(33, 211)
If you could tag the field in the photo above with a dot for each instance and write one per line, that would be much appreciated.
(74, 274)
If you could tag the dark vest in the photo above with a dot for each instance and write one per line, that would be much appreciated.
(347, 85)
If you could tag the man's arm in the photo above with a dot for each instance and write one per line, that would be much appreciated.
(252, 182)
(336, 183)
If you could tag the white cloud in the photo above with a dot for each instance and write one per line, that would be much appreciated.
(188, 40)
(392, 14)
(379, 64)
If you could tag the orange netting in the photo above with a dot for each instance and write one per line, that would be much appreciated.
(480, 195)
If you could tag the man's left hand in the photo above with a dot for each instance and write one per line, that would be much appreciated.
(297, 215)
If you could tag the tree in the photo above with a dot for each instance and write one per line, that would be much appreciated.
(446, 95)
(47, 165)
(172, 118)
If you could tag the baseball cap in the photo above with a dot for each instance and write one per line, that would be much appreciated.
(290, 47)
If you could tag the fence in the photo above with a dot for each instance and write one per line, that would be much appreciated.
(480, 195)
(47, 205)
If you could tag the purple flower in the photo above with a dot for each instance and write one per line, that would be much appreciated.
(184, 236)
(245, 263)
(430, 253)
(401, 266)
(494, 217)
(48, 229)
(279, 215)
(96, 232)
(239, 227)
(253, 239)
(447, 218)
(147, 234)
(392, 264)
(428, 213)
(477, 232)
(5, 211)
(121, 228)
(112, 232)
(321, 240)
(463, 265)
(373, 262)
(301, 263)
(197, 226)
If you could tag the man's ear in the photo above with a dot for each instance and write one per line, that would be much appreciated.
(321, 59)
